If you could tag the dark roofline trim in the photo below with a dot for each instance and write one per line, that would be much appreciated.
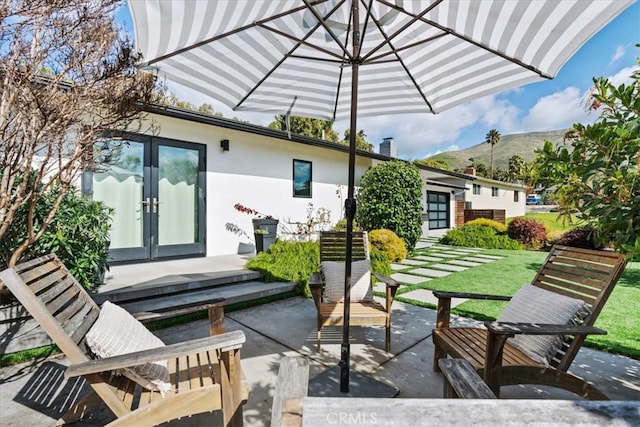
(193, 116)
(444, 184)
(445, 172)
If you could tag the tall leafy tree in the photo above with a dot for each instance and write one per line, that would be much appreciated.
(361, 142)
(493, 137)
(67, 74)
(515, 172)
(599, 173)
(314, 128)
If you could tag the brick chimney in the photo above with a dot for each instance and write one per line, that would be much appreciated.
(388, 147)
(470, 170)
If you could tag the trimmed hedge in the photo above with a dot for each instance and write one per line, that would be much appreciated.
(479, 236)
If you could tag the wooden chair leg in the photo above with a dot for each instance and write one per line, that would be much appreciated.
(318, 337)
(387, 339)
(438, 353)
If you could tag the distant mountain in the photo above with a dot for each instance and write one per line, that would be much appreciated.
(522, 144)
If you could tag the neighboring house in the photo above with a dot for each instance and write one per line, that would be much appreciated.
(174, 191)
(491, 194)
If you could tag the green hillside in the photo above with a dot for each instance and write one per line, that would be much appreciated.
(522, 144)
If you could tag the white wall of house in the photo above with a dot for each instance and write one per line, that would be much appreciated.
(257, 172)
(503, 199)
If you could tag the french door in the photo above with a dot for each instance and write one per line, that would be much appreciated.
(156, 188)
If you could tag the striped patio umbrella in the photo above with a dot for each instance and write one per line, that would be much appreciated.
(337, 59)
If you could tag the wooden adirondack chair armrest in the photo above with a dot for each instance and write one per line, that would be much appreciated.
(467, 295)
(315, 285)
(444, 304)
(391, 289)
(511, 329)
(387, 280)
(224, 342)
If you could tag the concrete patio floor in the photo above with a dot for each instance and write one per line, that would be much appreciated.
(36, 393)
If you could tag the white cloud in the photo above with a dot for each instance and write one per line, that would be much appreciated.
(617, 55)
(622, 76)
(421, 135)
(558, 110)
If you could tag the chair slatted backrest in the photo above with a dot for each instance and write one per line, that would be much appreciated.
(586, 274)
(333, 246)
(56, 301)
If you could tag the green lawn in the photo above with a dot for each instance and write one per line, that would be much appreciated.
(551, 221)
(620, 316)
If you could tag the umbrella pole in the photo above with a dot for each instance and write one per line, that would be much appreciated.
(350, 202)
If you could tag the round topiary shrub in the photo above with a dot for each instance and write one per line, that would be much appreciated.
(388, 242)
(497, 226)
(579, 237)
(527, 231)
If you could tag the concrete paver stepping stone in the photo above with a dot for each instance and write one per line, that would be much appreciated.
(399, 267)
(426, 295)
(476, 259)
(449, 267)
(488, 256)
(411, 262)
(464, 263)
(445, 255)
(469, 250)
(428, 258)
(409, 278)
(430, 272)
(457, 253)
(422, 245)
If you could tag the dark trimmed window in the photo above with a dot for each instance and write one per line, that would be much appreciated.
(477, 189)
(302, 178)
(495, 192)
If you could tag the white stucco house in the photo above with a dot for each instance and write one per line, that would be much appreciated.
(174, 190)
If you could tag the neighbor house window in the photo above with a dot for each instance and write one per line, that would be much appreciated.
(516, 196)
(494, 191)
(301, 178)
(477, 189)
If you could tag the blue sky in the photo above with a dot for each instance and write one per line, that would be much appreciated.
(548, 105)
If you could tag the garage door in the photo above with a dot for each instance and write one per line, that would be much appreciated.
(438, 209)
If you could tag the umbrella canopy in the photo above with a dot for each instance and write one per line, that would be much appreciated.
(336, 59)
(415, 56)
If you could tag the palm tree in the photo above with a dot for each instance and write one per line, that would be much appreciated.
(493, 137)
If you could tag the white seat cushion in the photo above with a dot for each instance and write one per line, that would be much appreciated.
(117, 332)
(333, 274)
(532, 304)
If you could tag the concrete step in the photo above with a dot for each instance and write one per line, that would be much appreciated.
(175, 284)
(233, 293)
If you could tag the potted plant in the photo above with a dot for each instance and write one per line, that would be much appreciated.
(265, 227)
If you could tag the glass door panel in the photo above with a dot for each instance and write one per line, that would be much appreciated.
(177, 195)
(120, 184)
(178, 180)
